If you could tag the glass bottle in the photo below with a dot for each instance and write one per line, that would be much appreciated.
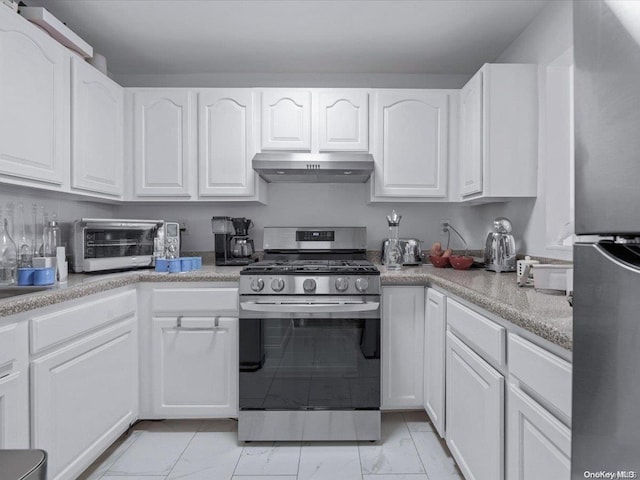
(37, 235)
(51, 237)
(23, 240)
(393, 253)
(8, 254)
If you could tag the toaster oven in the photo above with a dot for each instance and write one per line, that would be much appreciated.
(107, 244)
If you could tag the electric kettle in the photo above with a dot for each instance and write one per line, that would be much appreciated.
(500, 247)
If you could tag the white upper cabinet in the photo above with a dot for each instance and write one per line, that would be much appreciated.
(410, 143)
(225, 120)
(471, 142)
(286, 119)
(499, 133)
(34, 102)
(164, 143)
(343, 120)
(97, 131)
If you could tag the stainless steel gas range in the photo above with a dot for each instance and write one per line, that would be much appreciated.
(310, 338)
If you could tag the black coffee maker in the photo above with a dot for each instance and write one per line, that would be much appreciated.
(232, 244)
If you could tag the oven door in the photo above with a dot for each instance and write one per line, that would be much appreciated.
(309, 353)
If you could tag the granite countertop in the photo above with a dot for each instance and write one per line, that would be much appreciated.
(548, 316)
(81, 285)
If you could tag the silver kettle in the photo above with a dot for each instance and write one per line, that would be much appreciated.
(500, 247)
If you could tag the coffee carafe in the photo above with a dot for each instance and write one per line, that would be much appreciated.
(232, 244)
(500, 247)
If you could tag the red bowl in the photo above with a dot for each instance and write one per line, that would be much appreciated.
(439, 262)
(460, 262)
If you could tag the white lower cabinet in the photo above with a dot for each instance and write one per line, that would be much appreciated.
(14, 387)
(402, 347)
(538, 444)
(434, 358)
(84, 395)
(195, 367)
(474, 412)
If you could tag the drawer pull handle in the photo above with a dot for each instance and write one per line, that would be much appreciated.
(179, 326)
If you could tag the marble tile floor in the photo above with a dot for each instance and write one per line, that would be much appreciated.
(209, 450)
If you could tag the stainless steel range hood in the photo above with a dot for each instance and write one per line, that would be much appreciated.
(314, 167)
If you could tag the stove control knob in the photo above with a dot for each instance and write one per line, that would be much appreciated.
(362, 284)
(342, 284)
(309, 285)
(277, 284)
(257, 284)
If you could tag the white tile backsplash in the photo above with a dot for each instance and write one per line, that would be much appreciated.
(323, 205)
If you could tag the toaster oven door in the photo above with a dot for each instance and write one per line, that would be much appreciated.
(107, 247)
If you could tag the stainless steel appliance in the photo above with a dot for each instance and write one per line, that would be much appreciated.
(232, 243)
(99, 244)
(23, 464)
(606, 329)
(411, 251)
(310, 338)
(500, 247)
(333, 167)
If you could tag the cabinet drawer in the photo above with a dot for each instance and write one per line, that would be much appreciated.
(205, 301)
(8, 345)
(485, 336)
(544, 373)
(57, 327)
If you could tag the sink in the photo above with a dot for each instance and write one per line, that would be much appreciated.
(8, 292)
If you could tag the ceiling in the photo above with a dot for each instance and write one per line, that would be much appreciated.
(296, 36)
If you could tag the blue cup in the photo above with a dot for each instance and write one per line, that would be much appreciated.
(174, 265)
(185, 264)
(162, 265)
(25, 276)
(44, 276)
(194, 263)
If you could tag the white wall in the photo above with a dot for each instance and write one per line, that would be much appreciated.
(327, 80)
(319, 205)
(66, 208)
(548, 36)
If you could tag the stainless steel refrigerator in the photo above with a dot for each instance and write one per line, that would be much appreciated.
(606, 332)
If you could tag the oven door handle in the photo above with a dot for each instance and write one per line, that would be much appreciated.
(309, 307)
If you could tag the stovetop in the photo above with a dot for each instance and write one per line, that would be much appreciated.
(311, 267)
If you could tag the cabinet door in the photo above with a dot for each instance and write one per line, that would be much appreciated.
(14, 386)
(343, 121)
(471, 136)
(34, 102)
(402, 347)
(474, 412)
(411, 154)
(14, 411)
(286, 120)
(97, 130)
(538, 444)
(84, 396)
(225, 119)
(434, 358)
(195, 367)
(164, 143)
